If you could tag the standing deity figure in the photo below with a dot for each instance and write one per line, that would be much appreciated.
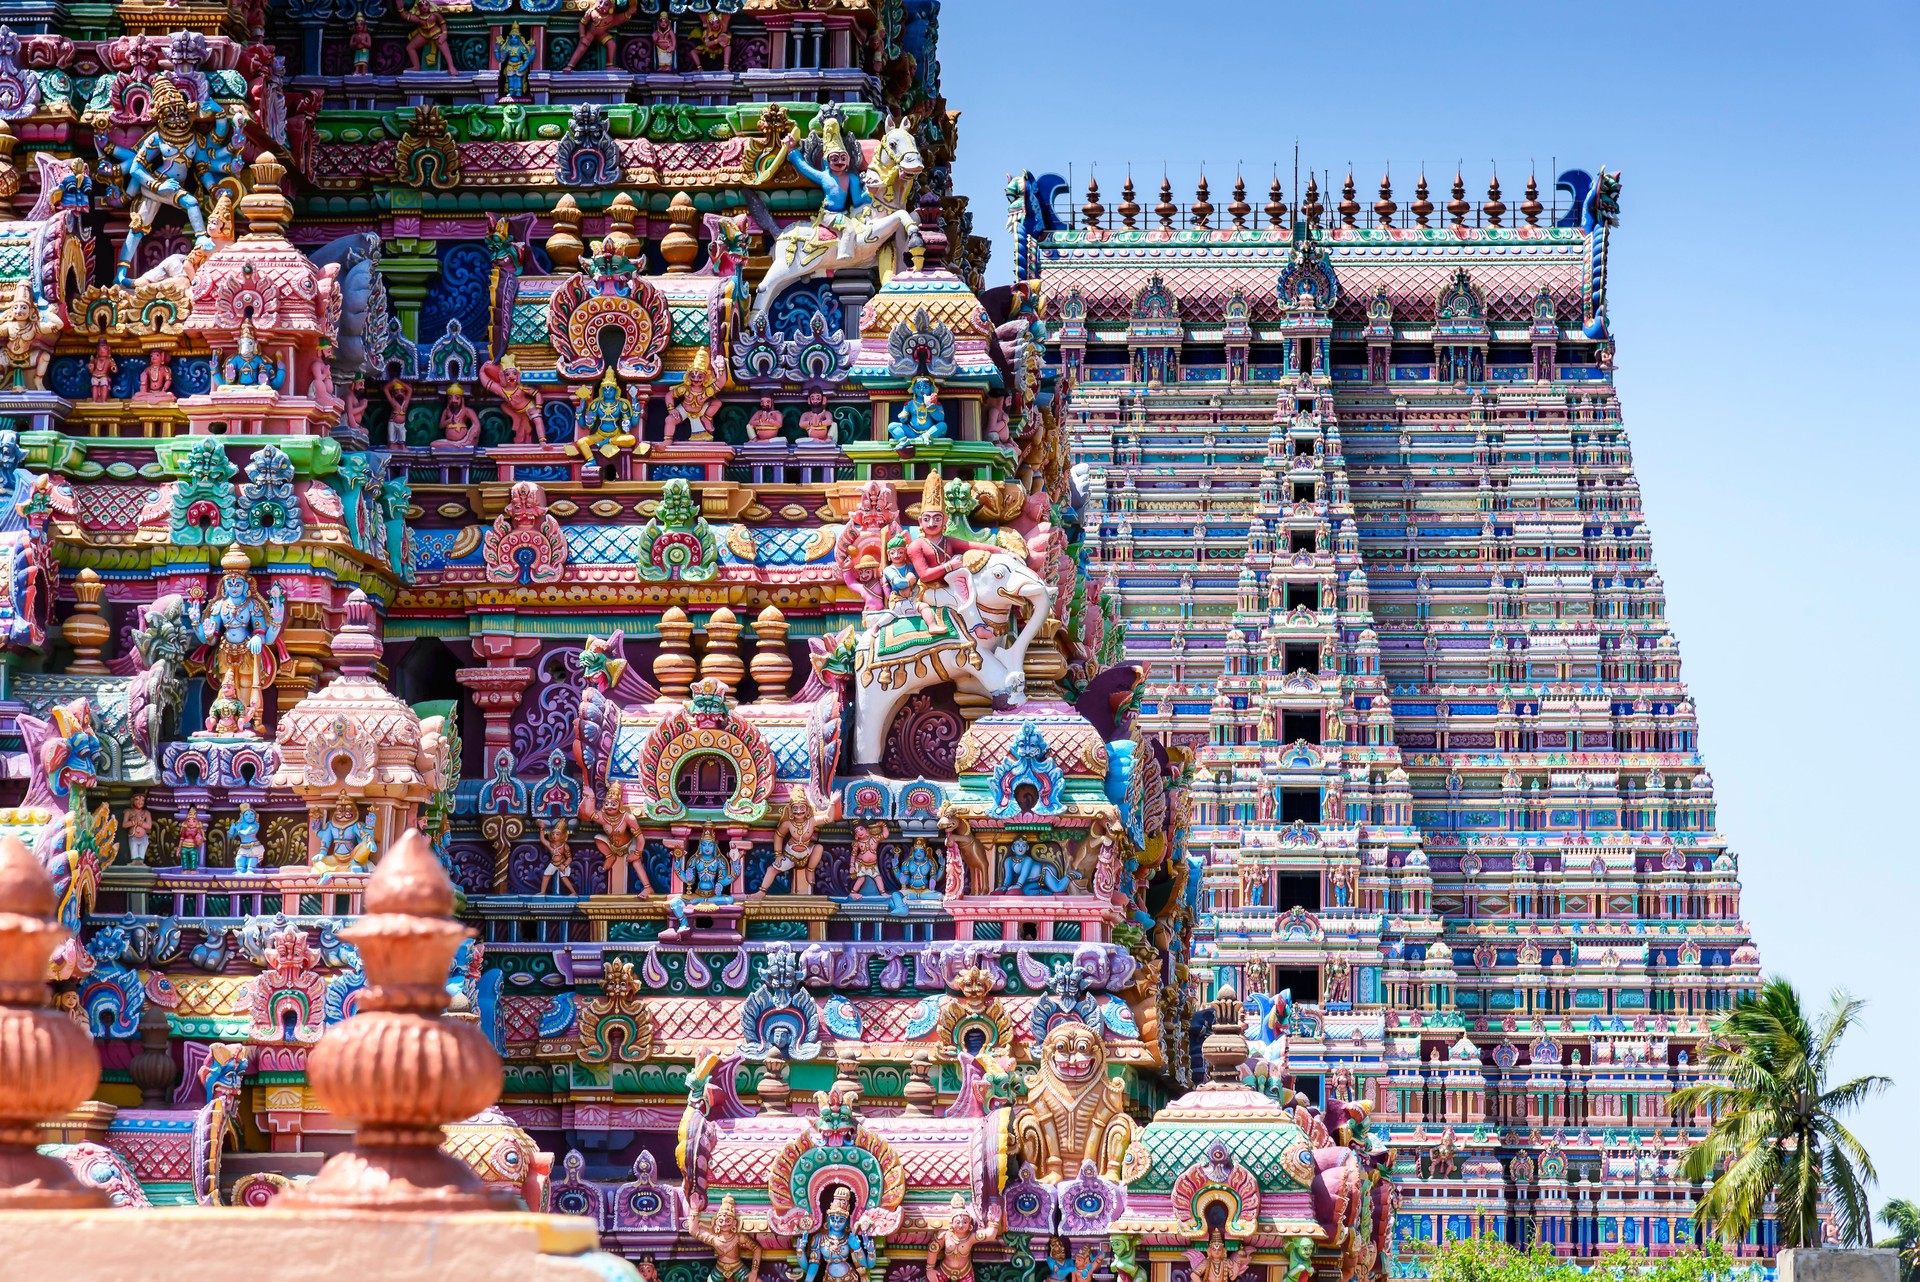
(191, 149)
(838, 1253)
(597, 25)
(865, 864)
(245, 629)
(193, 839)
(515, 55)
(399, 395)
(343, 841)
(607, 420)
(666, 45)
(429, 29)
(796, 844)
(950, 1254)
(919, 874)
(100, 369)
(619, 841)
(245, 835)
(713, 48)
(23, 363)
(137, 823)
(361, 43)
(706, 879)
(559, 869)
(459, 425)
(730, 1245)
(695, 400)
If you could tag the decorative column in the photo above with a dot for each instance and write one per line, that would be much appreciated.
(771, 667)
(398, 1070)
(48, 1065)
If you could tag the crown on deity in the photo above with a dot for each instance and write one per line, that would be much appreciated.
(235, 562)
(842, 1203)
(933, 494)
(959, 1205)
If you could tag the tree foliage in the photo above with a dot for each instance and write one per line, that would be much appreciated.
(1775, 1131)
(1489, 1260)
(1903, 1217)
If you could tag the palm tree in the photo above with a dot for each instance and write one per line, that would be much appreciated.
(1776, 1131)
(1903, 1217)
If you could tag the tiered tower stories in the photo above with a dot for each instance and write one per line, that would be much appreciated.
(1360, 494)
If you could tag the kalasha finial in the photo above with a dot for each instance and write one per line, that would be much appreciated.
(1239, 209)
(1458, 206)
(265, 208)
(1495, 209)
(1166, 209)
(1202, 206)
(1531, 208)
(1422, 208)
(1225, 1048)
(1349, 207)
(355, 649)
(1313, 208)
(398, 1070)
(1384, 208)
(1129, 211)
(1276, 210)
(48, 1066)
(1093, 209)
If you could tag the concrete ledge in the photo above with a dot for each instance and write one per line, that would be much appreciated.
(237, 1244)
(1826, 1264)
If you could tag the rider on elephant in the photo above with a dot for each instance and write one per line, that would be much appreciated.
(937, 556)
(844, 200)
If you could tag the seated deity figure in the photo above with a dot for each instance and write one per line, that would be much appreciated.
(921, 419)
(245, 834)
(1024, 873)
(837, 1253)
(344, 840)
(919, 874)
(706, 877)
(607, 420)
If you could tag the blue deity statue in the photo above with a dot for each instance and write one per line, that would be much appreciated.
(607, 420)
(244, 628)
(515, 53)
(345, 840)
(919, 874)
(921, 419)
(844, 197)
(837, 1253)
(1023, 872)
(249, 366)
(245, 835)
(15, 482)
(706, 879)
(192, 148)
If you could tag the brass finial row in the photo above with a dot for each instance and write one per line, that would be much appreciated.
(1126, 215)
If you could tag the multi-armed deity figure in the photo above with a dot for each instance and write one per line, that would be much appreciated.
(837, 1253)
(192, 149)
(706, 877)
(245, 629)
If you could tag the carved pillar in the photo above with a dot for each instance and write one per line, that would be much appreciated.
(496, 692)
(771, 667)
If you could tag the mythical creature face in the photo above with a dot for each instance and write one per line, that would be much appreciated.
(1073, 1054)
(172, 113)
(73, 754)
(345, 813)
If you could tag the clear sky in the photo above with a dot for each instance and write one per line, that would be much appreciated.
(1763, 291)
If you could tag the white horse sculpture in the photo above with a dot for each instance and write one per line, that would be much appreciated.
(894, 660)
(806, 250)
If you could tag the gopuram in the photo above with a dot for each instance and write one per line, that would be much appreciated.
(1361, 507)
(528, 509)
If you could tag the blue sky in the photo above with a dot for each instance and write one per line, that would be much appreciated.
(1764, 313)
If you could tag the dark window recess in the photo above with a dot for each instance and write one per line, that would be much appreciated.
(1573, 354)
(1266, 353)
(1299, 890)
(1308, 1084)
(1301, 656)
(1106, 355)
(1299, 725)
(1204, 354)
(1300, 805)
(1510, 354)
(1302, 981)
(705, 783)
(1303, 446)
(1412, 354)
(1303, 491)
(1300, 541)
(1303, 595)
(1349, 353)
